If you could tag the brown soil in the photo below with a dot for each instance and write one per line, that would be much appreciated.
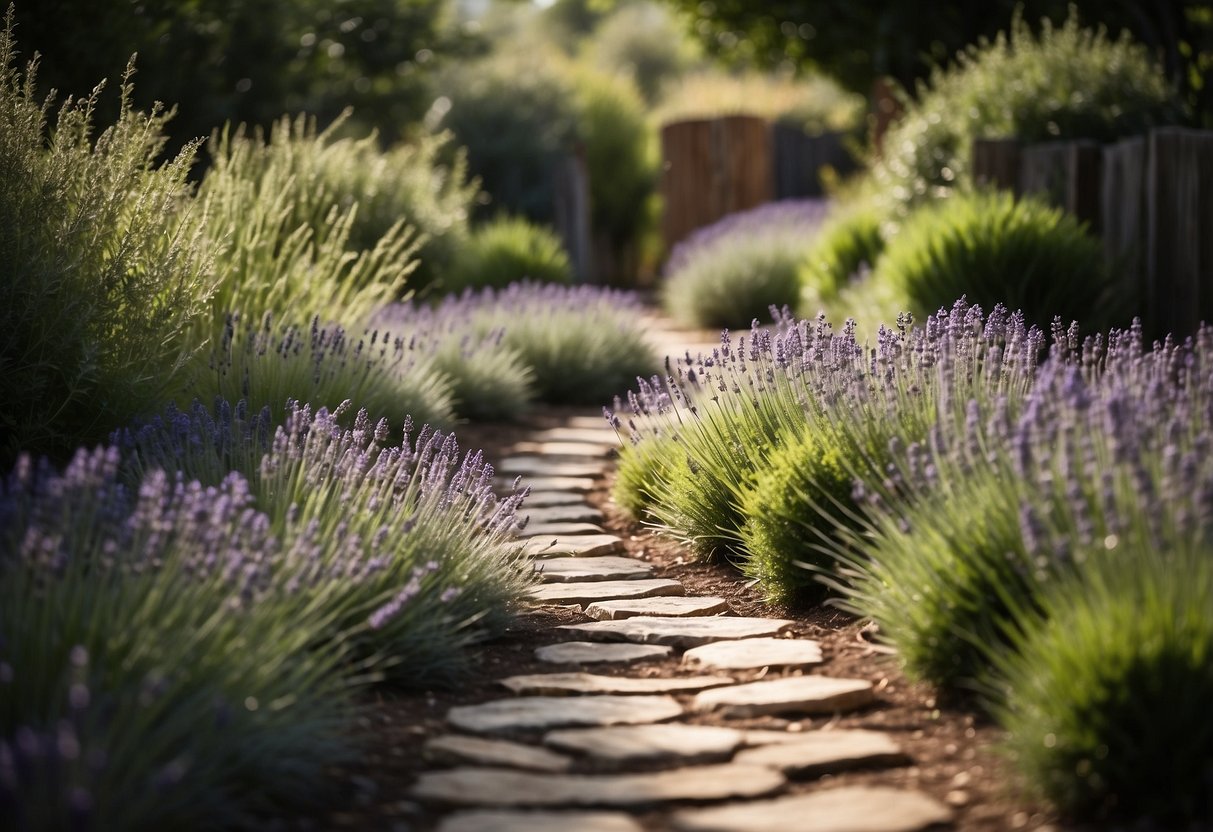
(954, 751)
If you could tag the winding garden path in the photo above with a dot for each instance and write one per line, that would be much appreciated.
(642, 720)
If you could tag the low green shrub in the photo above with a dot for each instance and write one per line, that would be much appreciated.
(103, 277)
(793, 509)
(641, 467)
(1065, 83)
(489, 382)
(847, 245)
(995, 249)
(507, 250)
(1106, 694)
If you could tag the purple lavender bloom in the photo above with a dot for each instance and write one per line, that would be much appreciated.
(791, 215)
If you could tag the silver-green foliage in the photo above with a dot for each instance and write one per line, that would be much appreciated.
(105, 269)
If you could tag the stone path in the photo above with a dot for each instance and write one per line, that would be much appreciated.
(667, 747)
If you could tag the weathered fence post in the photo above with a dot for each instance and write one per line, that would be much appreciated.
(571, 206)
(797, 159)
(996, 163)
(712, 168)
(1123, 215)
(1179, 249)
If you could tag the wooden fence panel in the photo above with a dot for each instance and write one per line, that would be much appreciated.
(798, 158)
(571, 206)
(996, 163)
(1123, 215)
(1067, 174)
(712, 168)
(1179, 208)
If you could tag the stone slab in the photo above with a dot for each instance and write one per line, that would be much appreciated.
(487, 820)
(649, 743)
(756, 653)
(595, 422)
(459, 749)
(584, 450)
(545, 499)
(477, 786)
(575, 485)
(559, 528)
(846, 809)
(599, 568)
(573, 512)
(587, 652)
(539, 466)
(586, 545)
(604, 435)
(587, 592)
(673, 606)
(676, 632)
(556, 684)
(791, 694)
(824, 752)
(544, 712)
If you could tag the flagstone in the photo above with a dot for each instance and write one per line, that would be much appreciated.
(556, 684)
(543, 712)
(540, 499)
(791, 694)
(846, 809)
(584, 450)
(574, 512)
(578, 485)
(559, 528)
(457, 748)
(677, 632)
(825, 752)
(487, 820)
(674, 606)
(649, 743)
(597, 436)
(602, 567)
(585, 545)
(539, 466)
(589, 652)
(478, 786)
(587, 592)
(755, 653)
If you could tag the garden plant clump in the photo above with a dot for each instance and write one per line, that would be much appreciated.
(734, 271)
(507, 250)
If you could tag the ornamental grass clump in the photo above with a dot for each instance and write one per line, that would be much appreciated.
(734, 271)
(265, 364)
(403, 546)
(849, 245)
(997, 249)
(105, 269)
(147, 669)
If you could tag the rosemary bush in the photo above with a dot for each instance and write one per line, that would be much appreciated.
(104, 267)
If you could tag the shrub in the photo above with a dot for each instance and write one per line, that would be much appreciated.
(266, 364)
(792, 511)
(283, 242)
(643, 42)
(147, 674)
(1066, 83)
(815, 105)
(643, 465)
(1107, 692)
(993, 248)
(103, 276)
(313, 171)
(582, 343)
(504, 251)
(848, 245)
(735, 270)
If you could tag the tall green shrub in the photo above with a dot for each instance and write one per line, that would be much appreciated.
(105, 268)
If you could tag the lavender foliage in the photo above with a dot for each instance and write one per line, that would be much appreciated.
(803, 216)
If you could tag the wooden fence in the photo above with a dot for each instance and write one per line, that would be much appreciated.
(1151, 200)
(715, 167)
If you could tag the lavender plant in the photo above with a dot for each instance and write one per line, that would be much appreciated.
(732, 272)
(146, 670)
(404, 547)
(582, 344)
(103, 275)
(265, 364)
